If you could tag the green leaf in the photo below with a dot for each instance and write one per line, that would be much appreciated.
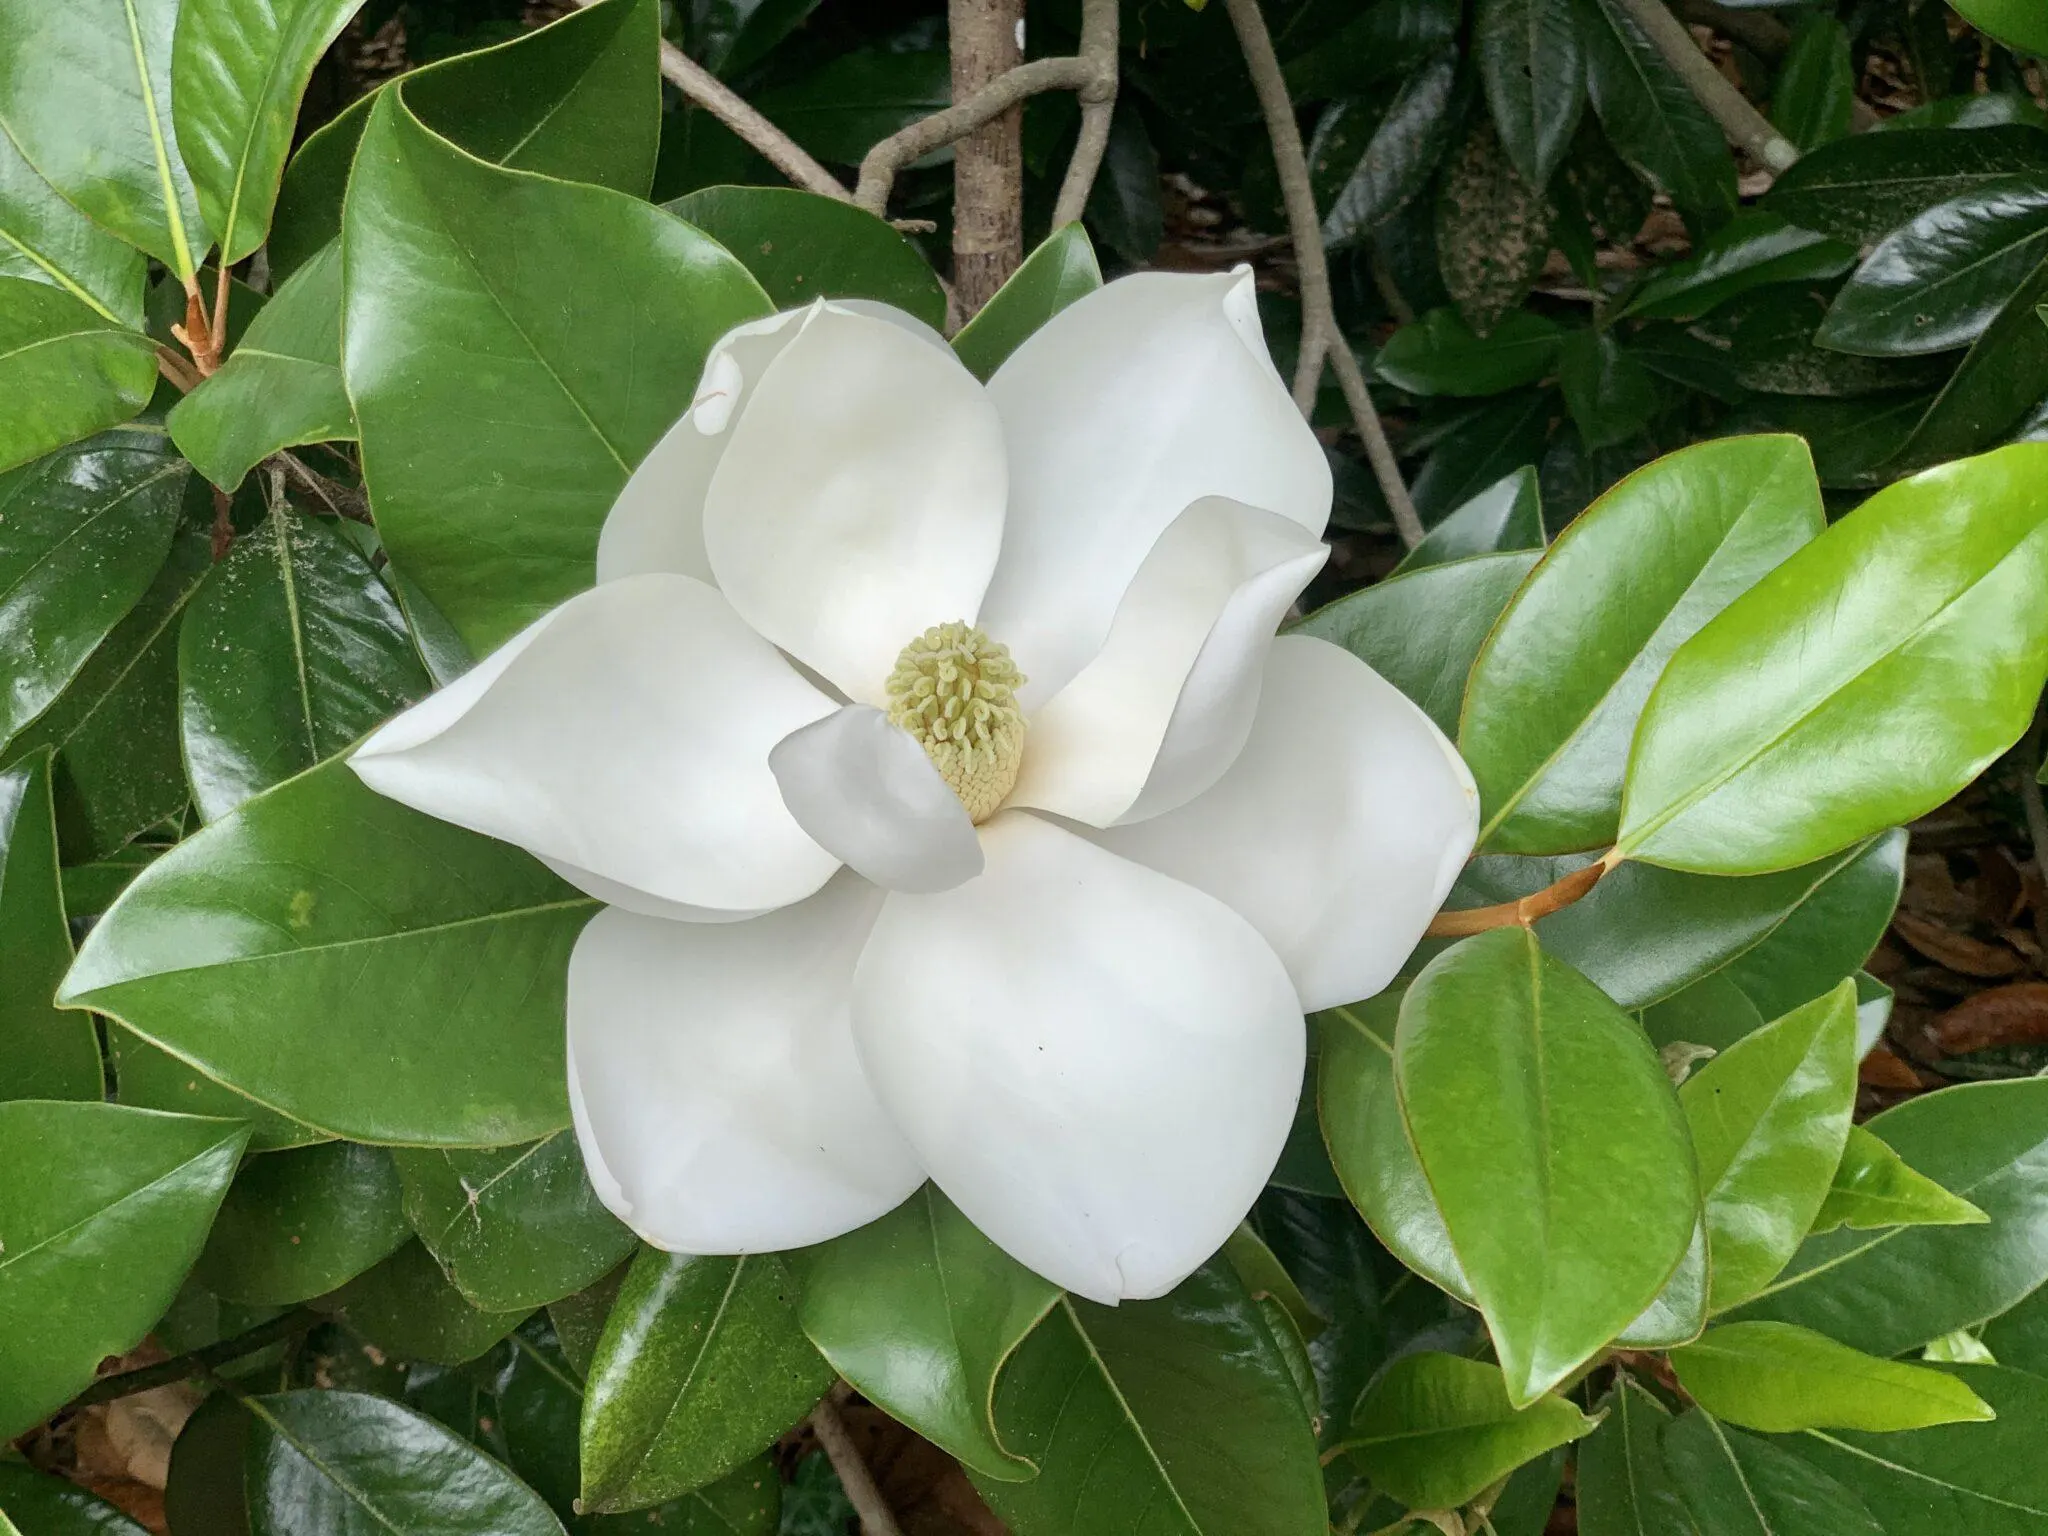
(1440, 355)
(46, 240)
(1421, 629)
(238, 69)
(1772, 737)
(150, 1078)
(1623, 1486)
(102, 1211)
(350, 1464)
(1769, 1119)
(66, 370)
(1058, 272)
(1737, 1485)
(1874, 1188)
(731, 35)
(86, 98)
(371, 971)
(50, 1053)
(1436, 1430)
(1780, 1378)
(407, 1308)
(1893, 1290)
(1813, 100)
(2012, 22)
(515, 1226)
(1534, 70)
(1611, 394)
(1829, 935)
(1409, 141)
(1557, 689)
(281, 386)
(1330, 1255)
(296, 1225)
(1652, 118)
(1492, 229)
(205, 1490)
(1986, 1479)
(579, 1319)
(1999, 380)
(1937, 281)
(1751, 250)
(843, 108)
(801, 246)
(1259, 1267)
(490, 481)
(1181, 1407)
(579, 99)
(39, 1504)
(920, 1312)
(1507, 515)
(1554, 1147)
(1860, 188)
(701, 1364)
(291, 650)
(1501, 435)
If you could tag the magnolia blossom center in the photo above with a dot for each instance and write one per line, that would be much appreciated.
(955, 690)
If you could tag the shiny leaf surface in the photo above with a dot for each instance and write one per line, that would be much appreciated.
(1780, 1378)
(1507, 515)
(297, 1224)
(151, 1078)
(46, 240)
(1860, 188)
(1060, 271)
(1750, 251)
(1737, 1485)
(1652, 119)
(1441, 355)
(407, 1308)
(1623, 1486)
(66, 370)
(1873, 1188)
(50, 1053)
(1534, 70)
(43, 1504)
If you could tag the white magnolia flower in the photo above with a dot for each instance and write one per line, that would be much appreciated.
(959, 814)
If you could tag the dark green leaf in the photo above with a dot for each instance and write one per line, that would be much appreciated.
(1737, 1485)
(1609, 392)
(45, 239)
(66, 370)
(42, 1504)
(1652, 118)
(2000, 379)
(1060, 271)
(1123, 206)
(1331, 1256)
(579, 1319)
(1813, 100)
(407, 1308)
(845, 107)
(1750, 251)
(1496, 439)
(295, 1225)
(1874, 1188)
(1623, 1486)
(1411, 138)
(731, 35)
(1534, 70)
(206, 1494)
(1780, 1378)
(1860, 188)
(1507, 515)
(1440, 354)
(50, 1053)
(150, 1078)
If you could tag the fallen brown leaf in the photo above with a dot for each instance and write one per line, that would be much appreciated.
(2014, 1014)
(1957, 951)
(1881, 1069)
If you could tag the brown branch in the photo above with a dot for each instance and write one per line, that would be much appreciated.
(986, 41)
(1321, 341)
(338, 499)
(177, 369)
(854, 1476)
(1099, 20)
(1744, 126)
(1538, 904)
(199, 1362)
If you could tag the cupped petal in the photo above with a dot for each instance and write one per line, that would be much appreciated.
(717, 1095)
(657, 524)
(860, 500)
(1097, 1064)
(866, 792)
(1338, 831)
(1142, 397)
(1165, 706)
(624, 735)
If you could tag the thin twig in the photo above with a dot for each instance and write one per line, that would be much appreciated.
(1321, 341)
(1098, 105)
(1745, 127)
(177, 369)
(854, 1476)
(200, 1362)
(336, 498)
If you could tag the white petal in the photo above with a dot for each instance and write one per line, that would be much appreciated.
(1339, 829)
(867, 793)
(1162, 710)
(624, 735)
(1126, 406)
(714, 1081)
(861, 498)
(657, 524)
(1097, 1064)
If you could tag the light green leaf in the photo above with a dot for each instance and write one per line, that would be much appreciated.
(49, 1053)
(297, 1224)
(2012, 22)
(1780, 1378)
(66, 370)
(1060, 271)
(1874, 1188)
(46, 240)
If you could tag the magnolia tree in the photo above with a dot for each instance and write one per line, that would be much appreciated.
(644, 846)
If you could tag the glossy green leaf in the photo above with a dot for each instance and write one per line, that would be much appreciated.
(102, 1211)
(1440, 355)
(1780, 1378)
(579, 99)
(281, 386)
(1611, 394)
(1259, 1267)
(1937, 281)
(1058, 272)
(1829, 935)
(50, 1053)
(514, 1226)
(1860, 188)
(85, 94)
(407, 1308)
(1329, 1254)
(291, 650)
(1873, 1188)
(1421, 629)
(151, 1078)
(238, 69)
(844, 107)
(1180, 1407)
(1712, 1013)
(46, 240)
(1750, 251)
(1501, 435)
(491, 479)
(1998, 382)
(579, 1319)
(205, 1490)
(1534, 70)
(801, 246)
(1507, 515)
(66, 370)
(730, 35)
(1859, 684)
(1553, 1144)
(1557, 689)
(1406, 146)
(920, 1312)
(350, 1464)
(1436, 1430)
(296, 1225)
(1888, 1291)
(1769, 1118)
(1652, 119)
(701, 1364)
(371, 971)
(1623, 1487)
(2012, 22)
(42, 1504)
(1813, 100)
(1737, 1485)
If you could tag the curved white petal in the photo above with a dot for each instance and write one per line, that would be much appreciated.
(867, 793)
(860, 500)
(1097, 1064)
(1140, 398)
(901, 318)
(714, 1082)
(1339, 829)
(657, 524)
(624, 735)
(1162, 710)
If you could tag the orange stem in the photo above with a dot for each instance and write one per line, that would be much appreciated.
(1538, 904)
